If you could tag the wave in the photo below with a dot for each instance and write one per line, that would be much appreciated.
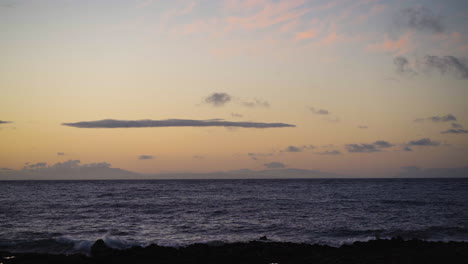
(66, 245)
(339, 237)
(433, 233)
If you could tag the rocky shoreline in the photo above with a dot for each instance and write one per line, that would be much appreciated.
(394, 250)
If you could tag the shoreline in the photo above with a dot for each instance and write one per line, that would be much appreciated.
(395, 250)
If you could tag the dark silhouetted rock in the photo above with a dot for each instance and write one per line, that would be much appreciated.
(394, 250)
(99, 249)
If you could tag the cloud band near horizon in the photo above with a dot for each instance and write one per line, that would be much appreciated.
(111, 123)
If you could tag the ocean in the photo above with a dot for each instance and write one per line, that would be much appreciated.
(69, 216)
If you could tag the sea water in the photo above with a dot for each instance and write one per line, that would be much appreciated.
(69, 216)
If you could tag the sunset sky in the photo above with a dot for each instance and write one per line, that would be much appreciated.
(353, 87)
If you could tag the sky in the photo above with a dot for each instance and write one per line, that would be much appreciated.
(352, 87)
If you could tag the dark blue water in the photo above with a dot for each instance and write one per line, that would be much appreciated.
(68, 216)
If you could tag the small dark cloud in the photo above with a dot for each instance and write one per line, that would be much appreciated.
(363, 127)
(236, 115)
(275, 165)
(455, 125)
(293, 149)
(402, 66)
(256, 103)
(256, 156)
(297, 148)
(455, 131)
(5, 169)
(145, 157)
(447, 64)
(383, 144)
(218, 99)
(319, 111)
(60, 154)
(198, 157)
(5, 122)
(437, 119)
(38, 165)
(423, 142)
(407, 149)
(362, 148)
(330, 152)
(377, 146)
(111, 123)
(421, 19)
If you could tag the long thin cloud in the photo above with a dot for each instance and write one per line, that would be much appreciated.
(455, 131)
(437, 119)
(111, 123)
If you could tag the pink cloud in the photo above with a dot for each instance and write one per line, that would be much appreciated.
(398, 46)
(176, 12)
(272, 13)
(306, 34)
(331, 38)
(289, 26)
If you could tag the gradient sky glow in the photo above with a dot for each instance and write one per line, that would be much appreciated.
(347, 74)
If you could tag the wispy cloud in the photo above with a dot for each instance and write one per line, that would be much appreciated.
(455, 125)
(402, 66)
(448, 64)
(60, 154)
(421, 19)
(111, 123)
(257, 156)
(455, 131)
(271, 13)
(182, 9)
(312, 33)
(319, 111)
(437, 119)
(329, 152)
(221, 99)
(255, 103)
(5, 122)
(399, 46)
(455, 66)
(38, 165)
